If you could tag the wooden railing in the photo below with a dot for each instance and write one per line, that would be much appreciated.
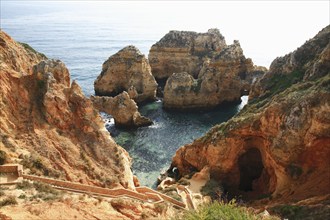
(142, 193)
(146, 190)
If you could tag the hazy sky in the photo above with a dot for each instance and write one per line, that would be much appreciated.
(265, 29)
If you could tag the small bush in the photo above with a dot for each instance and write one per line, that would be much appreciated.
(22, 196)
(24, 185)
(169, 189)
(10, 200)
(176, 197)
(2, 193)
(289, 211)
(220, 210)
(45, 188)
(46, 192)
(160, 207)
(3, 157)
(30, 49)
(213, 189)
(184, 181)
(37, 166)
(196, 87)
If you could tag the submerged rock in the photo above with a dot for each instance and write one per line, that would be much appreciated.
(123, 109)
(278, 145)
(127, 70)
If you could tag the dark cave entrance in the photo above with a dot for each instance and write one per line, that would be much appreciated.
(250, 168)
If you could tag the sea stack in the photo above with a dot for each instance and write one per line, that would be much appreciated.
(183, 51)
(123, 109)
(202, 71)
(127, 70)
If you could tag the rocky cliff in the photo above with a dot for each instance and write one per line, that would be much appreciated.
(277, 147)
(128, 70)
(123, 109)
(49, 126)
(223, 77)
(183, 51)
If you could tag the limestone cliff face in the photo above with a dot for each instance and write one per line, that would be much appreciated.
(308, 62)
(278, 144)
(49, 126)
(123, 109)
(183, 51)
(223, 78)
(128, 70)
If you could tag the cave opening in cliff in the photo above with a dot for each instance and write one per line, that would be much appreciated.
(250, 168)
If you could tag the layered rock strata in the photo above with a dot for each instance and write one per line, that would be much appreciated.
(183, 51)
(127, 70)
(223, 78)
(49, 126)
(123, 109)
(278, 145)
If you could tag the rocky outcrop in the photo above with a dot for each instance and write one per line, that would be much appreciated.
(306, 63)
(183, 51)
(278, 146)
(49, 126)
(222, 78)
(128, 70)
(123, 109)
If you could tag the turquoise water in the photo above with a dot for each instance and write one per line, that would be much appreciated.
(83, 38)
(153, 147)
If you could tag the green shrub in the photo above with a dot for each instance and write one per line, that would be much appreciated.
(10, 200)
(184, 181)
(46, 192)
(3, 157)
(30, 49)
(160, 207)
(37, 166)
(279, 82)
(169, 189)
(289, 211)
(24, 185)
(213, 189)
(22, 196)
(176, 197)
(220, 210)
(42, 187)
(2, 193)
(196, 87)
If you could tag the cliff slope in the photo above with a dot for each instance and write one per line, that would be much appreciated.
(277, 147)
(49, 126)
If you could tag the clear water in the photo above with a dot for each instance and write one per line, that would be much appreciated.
(83, 42)
(153, 147)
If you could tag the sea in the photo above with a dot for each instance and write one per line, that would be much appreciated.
(83, 37)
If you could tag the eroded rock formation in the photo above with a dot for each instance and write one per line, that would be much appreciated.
(183, 51)
(127, 70)
(223, 78)
(278, 145)
(123, 109)
(49, 126)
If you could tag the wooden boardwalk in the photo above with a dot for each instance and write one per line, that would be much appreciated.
(13, 173)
